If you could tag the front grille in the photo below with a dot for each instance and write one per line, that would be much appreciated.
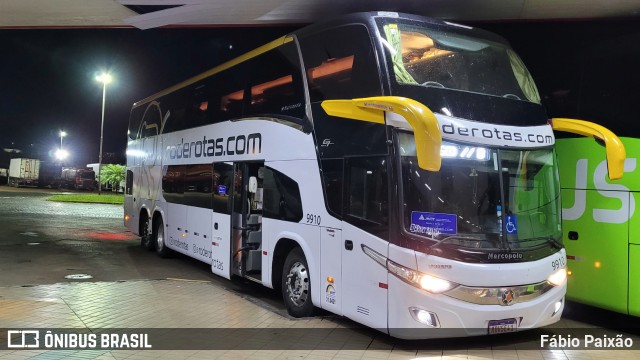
(495, 295)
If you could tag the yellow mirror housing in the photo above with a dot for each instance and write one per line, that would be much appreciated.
(426, 130)
(616, 153)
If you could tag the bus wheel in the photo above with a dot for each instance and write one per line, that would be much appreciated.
(296, 285)
(146, 240)
(160, 239)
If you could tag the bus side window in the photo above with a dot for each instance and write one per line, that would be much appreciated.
(340, 64)
(174, 109)
(366, 198)
(198, 110)
(332, 173)
(151, 121)
(197, 185)
(228, 93)
(173, 184)
(276, 83)
(129, 183)
(281, 197)
(222, 187)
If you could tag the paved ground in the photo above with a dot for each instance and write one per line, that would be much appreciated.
(179, 304)
(64, 239)
(42, 242)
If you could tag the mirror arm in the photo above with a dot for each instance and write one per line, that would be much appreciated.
(426, 129)
(616, 153)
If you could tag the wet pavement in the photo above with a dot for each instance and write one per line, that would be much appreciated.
(42, 242)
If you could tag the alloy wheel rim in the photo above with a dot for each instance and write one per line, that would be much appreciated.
(298, 284)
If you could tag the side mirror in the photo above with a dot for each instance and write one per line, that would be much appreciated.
(426, 130)
(616, 153)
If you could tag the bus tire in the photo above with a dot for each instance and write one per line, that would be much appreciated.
(296, 285)
(159, 237)
(146, 239)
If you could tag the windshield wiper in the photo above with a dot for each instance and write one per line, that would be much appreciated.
(548, 239)
(511, 96)
(433, 84)
(458, 237)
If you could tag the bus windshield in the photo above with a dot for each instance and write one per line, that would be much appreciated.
(483, 198)
(422, 55)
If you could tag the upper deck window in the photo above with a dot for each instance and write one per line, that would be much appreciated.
(340, 64)
(424, 55)
(275, 84)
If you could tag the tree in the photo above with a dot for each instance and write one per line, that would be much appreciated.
(112, 174)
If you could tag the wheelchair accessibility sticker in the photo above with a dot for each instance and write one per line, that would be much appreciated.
(512, 224)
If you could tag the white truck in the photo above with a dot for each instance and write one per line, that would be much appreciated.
(24, 172)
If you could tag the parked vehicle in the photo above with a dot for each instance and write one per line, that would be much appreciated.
(49, 174)
(74, 178)
(393, 169)
(4, 174)
(601, 227)
(24, 172)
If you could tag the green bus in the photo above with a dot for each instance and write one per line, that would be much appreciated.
(601, 227)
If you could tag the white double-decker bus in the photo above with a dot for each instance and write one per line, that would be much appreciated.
(390, 168)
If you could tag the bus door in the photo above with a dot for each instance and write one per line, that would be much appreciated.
(364, 244)
(246, 220)
(223, 180)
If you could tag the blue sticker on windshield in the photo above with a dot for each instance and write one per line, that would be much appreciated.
(222, 190)
(512, 224)
(433, 224)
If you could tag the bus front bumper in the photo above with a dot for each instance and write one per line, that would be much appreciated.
(419, 314)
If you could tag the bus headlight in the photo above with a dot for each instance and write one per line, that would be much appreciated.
(426, 282)
(558, 278)
(434, 284)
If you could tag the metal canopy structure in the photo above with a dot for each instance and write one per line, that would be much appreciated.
(146, 14)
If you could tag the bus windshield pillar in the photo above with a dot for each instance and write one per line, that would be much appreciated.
(426, 131)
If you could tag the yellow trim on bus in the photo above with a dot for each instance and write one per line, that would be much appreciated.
(616, 153)
(424, 123)
(231, 63)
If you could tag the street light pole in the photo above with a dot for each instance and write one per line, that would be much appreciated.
(60, 154)
(104, 79)
(62, 134)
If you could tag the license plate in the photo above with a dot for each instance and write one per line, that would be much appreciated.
(502, 326)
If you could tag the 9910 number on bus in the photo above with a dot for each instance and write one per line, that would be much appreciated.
(313, 219)
(558, 263)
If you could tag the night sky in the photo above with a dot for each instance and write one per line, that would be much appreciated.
(584, 69)
(47, 81)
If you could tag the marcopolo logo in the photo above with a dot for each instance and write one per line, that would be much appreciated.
(504, 256)
(232, 145)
